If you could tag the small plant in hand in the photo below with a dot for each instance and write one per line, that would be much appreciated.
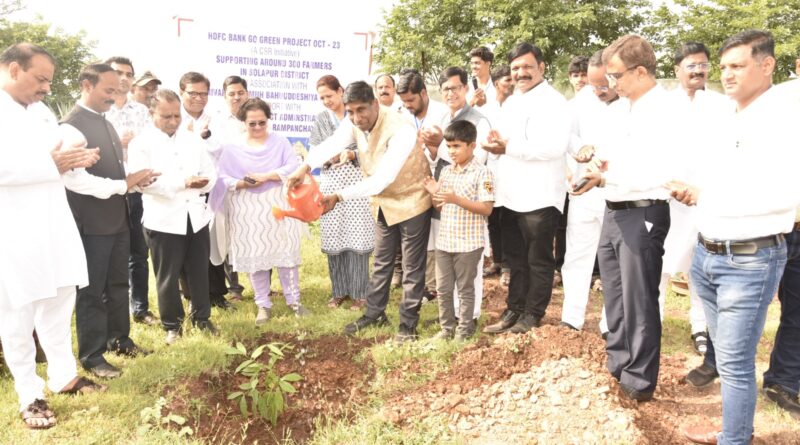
(264, 392)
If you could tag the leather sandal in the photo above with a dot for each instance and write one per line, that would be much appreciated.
(335, 302)
(82, 385)
(38, 416)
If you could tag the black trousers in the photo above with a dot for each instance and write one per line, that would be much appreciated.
(496, 234)
(101, 309)
(216, 280)
(412, 237)
(630, 252)
(528, 252)
(138, 269)
(171, 255)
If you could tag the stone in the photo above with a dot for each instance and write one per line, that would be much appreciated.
(584, 403)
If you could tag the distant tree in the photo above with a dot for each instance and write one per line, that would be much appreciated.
(8, 7)
(712, 21)
(71, 52)
(430, 35)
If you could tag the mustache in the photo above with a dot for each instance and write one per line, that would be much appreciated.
(384, 94)
(524, 77)
(109, 102)
(697, 76)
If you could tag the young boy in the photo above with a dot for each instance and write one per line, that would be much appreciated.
(465, 196)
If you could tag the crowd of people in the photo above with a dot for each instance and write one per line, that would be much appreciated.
(628, 178)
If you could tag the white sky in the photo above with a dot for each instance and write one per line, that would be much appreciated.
(137, 29)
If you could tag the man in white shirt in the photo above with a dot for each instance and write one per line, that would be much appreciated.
(696, 107)
(385, 90)
(196, 118)
(227, 129)
(504, 88)
(481, 89)
(782, 379)
(176, 215)
(42, 259)
(129, 118)
(593, 121)
(426, 113)
(531, 142)
(634, 164)
(747, 198)
(394, 171)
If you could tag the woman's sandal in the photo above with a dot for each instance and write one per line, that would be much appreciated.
(82, 385)
(38, 416)
(359, 304)
(335, 302)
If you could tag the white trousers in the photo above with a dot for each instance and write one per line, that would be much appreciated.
(51, 318)
(583, 235)
(697, 318)
(478, 278)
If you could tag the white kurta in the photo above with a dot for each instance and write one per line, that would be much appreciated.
(42, 250)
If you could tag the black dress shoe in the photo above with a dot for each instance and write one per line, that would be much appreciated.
(221, 303)
(146, 318)
(405, 334)
(508, 319)
(702, 376)
(106, 371)
(525, 323)
(365, 322)
(604, 335)
(132, 351)
(207, 326)
(635, 394)
(784, 399)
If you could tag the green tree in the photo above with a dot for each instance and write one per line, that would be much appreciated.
(71, 52)
(713, 21)
(430, 35)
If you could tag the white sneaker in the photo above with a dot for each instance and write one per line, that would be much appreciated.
(263, 316)
(300, 310)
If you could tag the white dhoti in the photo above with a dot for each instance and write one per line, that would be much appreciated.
(51, 318)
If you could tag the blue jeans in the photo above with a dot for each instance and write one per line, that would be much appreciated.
(784, 363)
(736, 291)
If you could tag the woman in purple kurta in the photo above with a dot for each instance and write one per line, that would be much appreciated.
(251, 176)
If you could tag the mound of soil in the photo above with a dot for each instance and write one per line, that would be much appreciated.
(334, 382)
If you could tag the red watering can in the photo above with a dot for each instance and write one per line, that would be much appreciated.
(305, 201)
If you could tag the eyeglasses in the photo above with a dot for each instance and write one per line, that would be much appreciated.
(452, 89)
(254, 124)
(698, 66)
(600, 89)
(613, 77)
(196, 95)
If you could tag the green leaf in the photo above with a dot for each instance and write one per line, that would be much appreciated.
(243, 406)
(275, 350)
(232, 351)
(242, 365)
(241, 348)
(234, 395)
(177, 419)
(258, 351)
(286, 387)
(185, 431)
(293, 377)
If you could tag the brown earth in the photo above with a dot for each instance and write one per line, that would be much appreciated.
(549, 386)
(334, 383)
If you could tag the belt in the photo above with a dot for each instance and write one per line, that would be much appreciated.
(742, 247)
(637, 204)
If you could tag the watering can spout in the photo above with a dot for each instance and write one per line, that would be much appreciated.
(305, 202)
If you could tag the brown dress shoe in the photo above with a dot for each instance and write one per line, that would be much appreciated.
(704, 434)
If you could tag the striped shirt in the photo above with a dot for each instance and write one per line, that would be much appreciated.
(461, 230)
